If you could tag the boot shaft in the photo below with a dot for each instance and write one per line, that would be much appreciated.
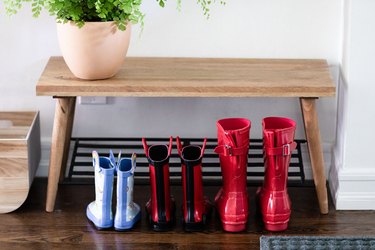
(232, 199)
(278, 141)
(100, 210)
(233, 146)
(125, 181)
(158, 157)
(104, 173)
(127, 211)
(234, 132)
(191, 174)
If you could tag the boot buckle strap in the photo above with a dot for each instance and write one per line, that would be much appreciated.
(230, 149)
(286, 149)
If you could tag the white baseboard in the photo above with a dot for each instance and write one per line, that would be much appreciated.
(353, 188)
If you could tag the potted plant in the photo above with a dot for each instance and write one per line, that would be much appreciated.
(93, 35)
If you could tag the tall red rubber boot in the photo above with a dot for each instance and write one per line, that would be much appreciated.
(232, 199)
(196, 208)
(160, 208)
(278, 144)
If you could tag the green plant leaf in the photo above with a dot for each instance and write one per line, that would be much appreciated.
(81, 11)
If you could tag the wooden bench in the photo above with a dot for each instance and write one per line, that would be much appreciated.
(191, 77)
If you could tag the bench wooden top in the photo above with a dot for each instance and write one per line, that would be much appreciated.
(196, 77)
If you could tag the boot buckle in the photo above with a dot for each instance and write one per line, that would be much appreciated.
(286, 149)
(230, 150)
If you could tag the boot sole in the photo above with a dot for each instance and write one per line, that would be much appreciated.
(107, 228)
(95, 221)
(276, 227)
(128, 225)
(196, 226)
(231, 226)
(234, 228)
(163, 226)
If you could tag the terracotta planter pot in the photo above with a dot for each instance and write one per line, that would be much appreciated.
(95, 51)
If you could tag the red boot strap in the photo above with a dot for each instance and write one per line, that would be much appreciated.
(145, 146)
(284, 150)
(228, 150)
(170, 146)
(203, 146)
(179, 146)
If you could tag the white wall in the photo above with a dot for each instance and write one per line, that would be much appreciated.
(353, 174)
(243, 28)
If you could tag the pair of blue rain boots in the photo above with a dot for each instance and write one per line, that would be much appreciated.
(99, 212)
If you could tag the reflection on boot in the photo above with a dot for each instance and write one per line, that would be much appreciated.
(99, 212)
(274, 201)
(127, 211)
(161, 207)
(232, 199)
(195, 208)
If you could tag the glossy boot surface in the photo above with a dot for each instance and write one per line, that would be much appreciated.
(99, 212)
(232, 199)
(160, 208)
(278, 140)
(127, 211)
(196, 208)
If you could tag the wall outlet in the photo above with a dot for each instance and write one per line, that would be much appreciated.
(90, 100)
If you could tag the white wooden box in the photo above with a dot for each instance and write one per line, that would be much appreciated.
(19, 157)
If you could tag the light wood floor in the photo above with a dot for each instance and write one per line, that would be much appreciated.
(30, 227)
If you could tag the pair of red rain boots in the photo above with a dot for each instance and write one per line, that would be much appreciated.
(233, 145)
(161, 206)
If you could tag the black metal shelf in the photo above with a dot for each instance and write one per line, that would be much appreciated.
(81, 170)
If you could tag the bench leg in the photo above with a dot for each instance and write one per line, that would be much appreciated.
(67, 142)
(310, 119)
(64, 107)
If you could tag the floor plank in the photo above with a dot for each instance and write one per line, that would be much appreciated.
(30, 227)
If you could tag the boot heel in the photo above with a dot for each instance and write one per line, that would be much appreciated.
(194, 226)
(162, 226)
(197, 226)
(234, 227)
(100, 225)
(276, 227)
(126, 226)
